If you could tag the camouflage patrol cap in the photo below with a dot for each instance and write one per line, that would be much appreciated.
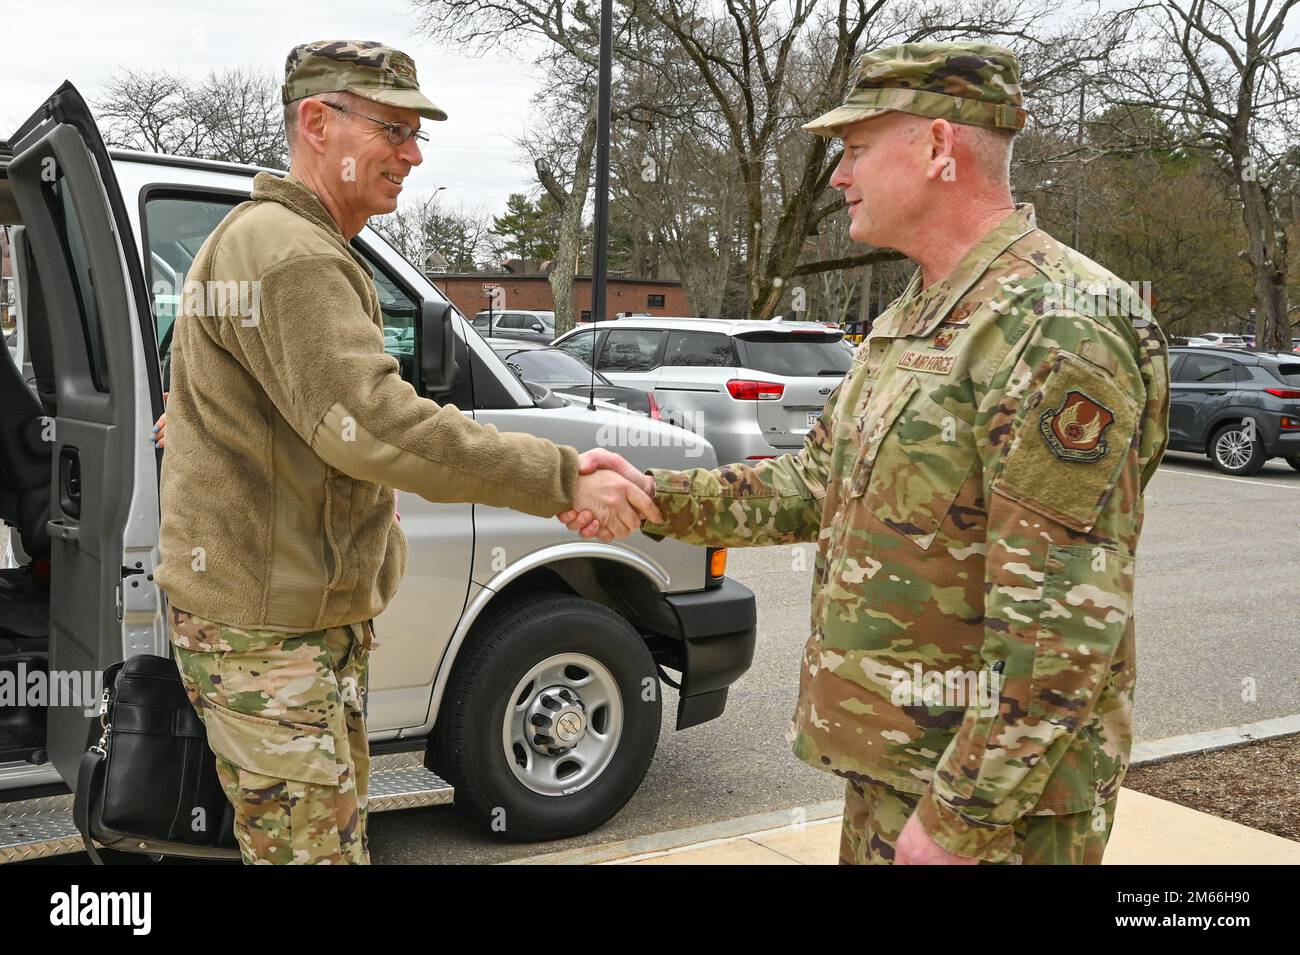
(370, 70)
(973, 83)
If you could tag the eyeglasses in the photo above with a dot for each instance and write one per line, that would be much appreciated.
(398, 133)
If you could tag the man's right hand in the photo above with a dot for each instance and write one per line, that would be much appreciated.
(612, 497)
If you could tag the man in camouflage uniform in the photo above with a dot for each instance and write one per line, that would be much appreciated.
(289, 429)
(974, 488)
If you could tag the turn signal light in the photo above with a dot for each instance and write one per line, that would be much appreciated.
(718, 562)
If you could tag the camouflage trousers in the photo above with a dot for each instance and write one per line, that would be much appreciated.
(285, 716)
(874, 816)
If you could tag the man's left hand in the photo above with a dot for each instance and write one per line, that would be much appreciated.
(915, 847)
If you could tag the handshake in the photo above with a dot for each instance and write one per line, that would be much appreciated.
(611, 499)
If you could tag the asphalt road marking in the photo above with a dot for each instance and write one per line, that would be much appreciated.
(1235, 480)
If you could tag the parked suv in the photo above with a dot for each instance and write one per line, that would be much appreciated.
(1239, 407)
(753, 389)
(499, 613)
(525, 326)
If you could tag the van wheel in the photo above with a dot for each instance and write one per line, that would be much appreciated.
(550, 719)
(1294, 461)
(1234, 451)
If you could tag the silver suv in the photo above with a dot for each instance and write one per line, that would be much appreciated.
(499, 614)
(519, 324)
(753, 389)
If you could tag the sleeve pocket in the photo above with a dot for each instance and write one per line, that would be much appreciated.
(1087, 606)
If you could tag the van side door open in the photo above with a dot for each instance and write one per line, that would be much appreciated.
(102, 602)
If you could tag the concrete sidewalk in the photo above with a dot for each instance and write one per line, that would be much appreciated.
(1148, 831)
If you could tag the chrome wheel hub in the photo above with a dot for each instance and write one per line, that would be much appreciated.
(558, 718)
(562, 724)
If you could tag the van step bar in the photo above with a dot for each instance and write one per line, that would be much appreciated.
(43, 827)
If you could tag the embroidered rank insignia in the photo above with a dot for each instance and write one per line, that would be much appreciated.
(943, 339)
(1075, 431)
(961, 314)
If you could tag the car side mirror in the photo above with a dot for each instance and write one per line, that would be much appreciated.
(437, 347)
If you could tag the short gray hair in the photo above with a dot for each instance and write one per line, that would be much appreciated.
(991, 149)
(341, 98)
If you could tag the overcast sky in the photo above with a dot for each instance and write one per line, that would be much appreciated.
(486, 99)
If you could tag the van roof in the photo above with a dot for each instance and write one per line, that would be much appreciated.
(187, 162)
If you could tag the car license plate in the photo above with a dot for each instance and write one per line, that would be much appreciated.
(812, 419)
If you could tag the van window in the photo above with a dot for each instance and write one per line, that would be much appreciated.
(700, 350)
(796, 355)
(579, 345)
(631, 349)
(175, 226)
(400, 313)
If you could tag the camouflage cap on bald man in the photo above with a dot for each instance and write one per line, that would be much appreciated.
(370, 70)
(973, 83)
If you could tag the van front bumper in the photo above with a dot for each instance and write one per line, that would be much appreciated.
(717, 629)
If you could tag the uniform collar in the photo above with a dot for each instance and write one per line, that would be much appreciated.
(297, 197)
(920, 310)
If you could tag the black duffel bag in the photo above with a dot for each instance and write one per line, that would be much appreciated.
(148, 783)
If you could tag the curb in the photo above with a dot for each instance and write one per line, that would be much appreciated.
(1171, 747)
(680, 838)
(1153, 751)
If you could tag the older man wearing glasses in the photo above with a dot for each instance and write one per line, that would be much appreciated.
(287, 433)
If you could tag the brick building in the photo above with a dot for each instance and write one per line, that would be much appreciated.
(533, 291)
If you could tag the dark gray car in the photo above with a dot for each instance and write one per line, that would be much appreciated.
(1238, 407)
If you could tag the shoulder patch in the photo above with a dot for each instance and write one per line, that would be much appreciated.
(1076, 430)
(1071, 442)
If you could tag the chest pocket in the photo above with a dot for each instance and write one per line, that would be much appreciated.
(918, 464)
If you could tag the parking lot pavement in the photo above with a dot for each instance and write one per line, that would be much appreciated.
(1218, 606)
(1218, 613)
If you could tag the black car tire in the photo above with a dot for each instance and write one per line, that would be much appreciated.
(468, 749)
(1294, 461)
(1227, 447)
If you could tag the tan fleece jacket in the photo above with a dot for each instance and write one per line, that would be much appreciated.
(288, 427)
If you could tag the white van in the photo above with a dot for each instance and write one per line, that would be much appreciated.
(499, 612)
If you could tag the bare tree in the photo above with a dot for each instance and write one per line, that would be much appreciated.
(232, 115)
(1224, 76)
(771, 65)
(422, 227)
(566, 38)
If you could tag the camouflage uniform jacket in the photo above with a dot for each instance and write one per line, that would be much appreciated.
(974, 488)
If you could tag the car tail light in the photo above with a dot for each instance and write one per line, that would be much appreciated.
(1290, 424)
(744, 390)
(718, 562)
(654, 407)
(1283, 392)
